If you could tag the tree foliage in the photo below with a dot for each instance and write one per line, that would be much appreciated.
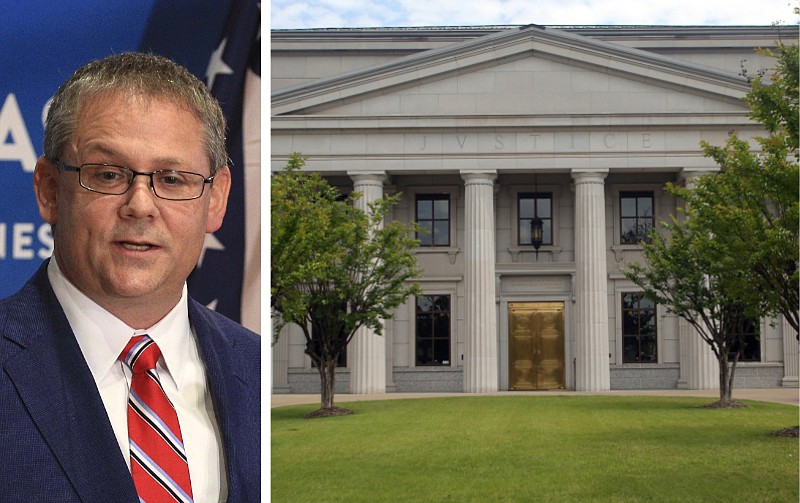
(335, 268)
(735, 255)
(751, 206)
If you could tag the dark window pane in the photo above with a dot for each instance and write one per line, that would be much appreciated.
(425, 235)
(441, 351)
(424, 327)
(543, 207)
(648, 348)
(526, 208)
(424, 354)
(441, 233)
(752, 348)
(630, 350)
(424, 210)
(629, 231)
(647, 322)
(646, 227)
(645, 207)
(629, 300)
(424, 304)
(525, 232)
(441, 327)
(627, 207)
(441, 209)
(629, 323)
(547, 232)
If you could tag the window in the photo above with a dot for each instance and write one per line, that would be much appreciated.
(639, 339)
(341, 361)
(752, 342)
(433, 216)
(636, 216)
(433, 330)
(530, 205)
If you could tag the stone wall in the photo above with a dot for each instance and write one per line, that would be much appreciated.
(642, 376)
(433, 379)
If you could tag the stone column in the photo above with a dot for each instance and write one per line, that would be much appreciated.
(699, 367)
(366, 356)
(591, 281)
(791, 357)
(480, 317)
(280, 362)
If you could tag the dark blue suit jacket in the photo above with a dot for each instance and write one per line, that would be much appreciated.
(56, 441)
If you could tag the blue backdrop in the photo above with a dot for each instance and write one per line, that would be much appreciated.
(41, 44)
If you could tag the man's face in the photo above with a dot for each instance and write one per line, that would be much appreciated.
(134, 248)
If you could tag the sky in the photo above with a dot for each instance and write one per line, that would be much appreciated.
(285, 14)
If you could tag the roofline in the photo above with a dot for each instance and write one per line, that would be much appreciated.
(619, 30)
(554, 37)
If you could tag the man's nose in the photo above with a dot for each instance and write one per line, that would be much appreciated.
(140, 196)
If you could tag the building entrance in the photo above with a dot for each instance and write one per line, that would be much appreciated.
(536, 345)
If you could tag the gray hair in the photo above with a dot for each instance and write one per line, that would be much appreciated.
(131, 73)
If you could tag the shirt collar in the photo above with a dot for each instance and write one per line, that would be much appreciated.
(102, 336)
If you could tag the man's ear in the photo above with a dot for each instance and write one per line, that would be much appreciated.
(219, 199)
(46, 182)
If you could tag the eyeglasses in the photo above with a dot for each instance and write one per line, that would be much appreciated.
(116, 180)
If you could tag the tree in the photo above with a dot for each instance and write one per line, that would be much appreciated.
(735, 256)
(680, 275)
(335, 268)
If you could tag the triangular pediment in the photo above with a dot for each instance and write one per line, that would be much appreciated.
(529, 71)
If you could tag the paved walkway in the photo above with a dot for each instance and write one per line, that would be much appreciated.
(779, 395)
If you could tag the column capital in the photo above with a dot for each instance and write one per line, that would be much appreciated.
(588, 175)
(478, 176)
(687, 176)
(368, 177)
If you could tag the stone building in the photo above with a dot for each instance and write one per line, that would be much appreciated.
(485, 130)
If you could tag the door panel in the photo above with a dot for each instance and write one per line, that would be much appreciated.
(536, 345)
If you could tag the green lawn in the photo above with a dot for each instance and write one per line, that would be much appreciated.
(535, 448)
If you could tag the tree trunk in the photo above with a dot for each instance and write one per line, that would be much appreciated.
(327, 374)
(725, 379)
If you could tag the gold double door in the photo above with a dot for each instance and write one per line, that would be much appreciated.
(536, 345)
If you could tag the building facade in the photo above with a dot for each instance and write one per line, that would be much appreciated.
(495, 136)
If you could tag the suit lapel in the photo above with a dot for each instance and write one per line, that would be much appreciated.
(57, 388)
(232, 389)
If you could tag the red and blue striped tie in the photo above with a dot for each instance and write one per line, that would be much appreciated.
(158, 459)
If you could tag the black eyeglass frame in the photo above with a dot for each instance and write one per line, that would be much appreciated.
(77, 169)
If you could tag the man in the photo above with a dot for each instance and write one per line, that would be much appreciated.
(133, 176)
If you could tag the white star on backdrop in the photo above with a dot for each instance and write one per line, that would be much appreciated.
(209, 243)
(216, 66)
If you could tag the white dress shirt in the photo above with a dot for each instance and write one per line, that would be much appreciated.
(102, 337)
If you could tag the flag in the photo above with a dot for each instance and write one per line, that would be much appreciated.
(228, 274)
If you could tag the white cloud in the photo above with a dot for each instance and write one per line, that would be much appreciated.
(390, 13)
